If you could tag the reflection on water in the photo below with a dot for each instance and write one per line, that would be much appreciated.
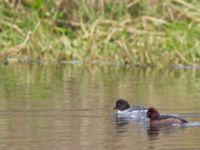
(69, 107)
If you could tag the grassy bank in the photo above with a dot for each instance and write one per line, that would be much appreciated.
(142, 33)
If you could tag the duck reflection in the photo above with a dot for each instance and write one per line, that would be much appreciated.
(121, 124)
(154, 132)
(122, 121)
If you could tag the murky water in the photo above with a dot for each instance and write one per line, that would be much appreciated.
(69, 107)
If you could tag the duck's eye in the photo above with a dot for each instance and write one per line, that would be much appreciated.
(118, 104)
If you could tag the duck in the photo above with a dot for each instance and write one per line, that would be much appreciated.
(157, 120)
(124, 109)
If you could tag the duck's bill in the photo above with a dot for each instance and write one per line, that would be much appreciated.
(115, 107)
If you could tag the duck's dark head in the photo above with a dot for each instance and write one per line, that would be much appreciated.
(121, 104)
(153, 113)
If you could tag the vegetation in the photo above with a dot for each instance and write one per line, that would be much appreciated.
(135, 32)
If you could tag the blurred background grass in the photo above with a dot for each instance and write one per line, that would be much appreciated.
(136, 32)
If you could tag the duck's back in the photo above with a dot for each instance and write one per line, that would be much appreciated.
(173, 117)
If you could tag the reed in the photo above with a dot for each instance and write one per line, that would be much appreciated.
(141, 33)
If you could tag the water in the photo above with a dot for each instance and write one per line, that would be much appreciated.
(70, 107)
